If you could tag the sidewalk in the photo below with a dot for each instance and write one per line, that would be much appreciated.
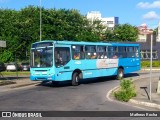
(143, 97)
(143, 92)
(14, 82)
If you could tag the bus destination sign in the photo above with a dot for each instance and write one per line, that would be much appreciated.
(43, 44)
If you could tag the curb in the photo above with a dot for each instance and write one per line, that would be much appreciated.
(110, 92)
(148, 104)
(3, 83)
(22, 85)
(148, 69)
(11, 87)
(17, 84)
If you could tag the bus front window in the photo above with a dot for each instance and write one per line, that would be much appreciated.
(42, 57)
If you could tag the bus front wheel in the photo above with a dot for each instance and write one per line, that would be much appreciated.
(75, 79)
(120, 73)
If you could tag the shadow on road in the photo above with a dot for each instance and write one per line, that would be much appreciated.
(84, 81)
(131, 75)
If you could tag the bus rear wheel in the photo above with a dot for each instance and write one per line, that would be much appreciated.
(120, 73)
(75, 79)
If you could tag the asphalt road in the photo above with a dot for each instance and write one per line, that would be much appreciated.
(90, 95)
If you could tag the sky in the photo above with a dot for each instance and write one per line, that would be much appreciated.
(134, 12)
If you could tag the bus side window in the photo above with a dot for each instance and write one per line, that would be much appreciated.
(101, 51)
(77, 56)
(112, 52)
(130, 52)
(122, 51)
(136, 52)
(90, 52)
(94, 56)
(77, 52)
(115, 56)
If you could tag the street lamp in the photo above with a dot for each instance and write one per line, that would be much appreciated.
(40, 32)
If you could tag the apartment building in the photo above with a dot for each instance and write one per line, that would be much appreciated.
(109, 22)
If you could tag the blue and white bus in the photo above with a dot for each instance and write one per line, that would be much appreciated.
(66, 60)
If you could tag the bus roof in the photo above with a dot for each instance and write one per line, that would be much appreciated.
(65, 42)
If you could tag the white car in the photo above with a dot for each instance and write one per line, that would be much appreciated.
(12, 67)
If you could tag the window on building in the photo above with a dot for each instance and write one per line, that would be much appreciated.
(110, 22)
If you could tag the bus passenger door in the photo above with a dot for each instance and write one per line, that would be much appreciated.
(62, 58)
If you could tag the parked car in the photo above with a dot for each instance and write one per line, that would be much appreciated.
(12, 67)
(2, 67)
(25, 66)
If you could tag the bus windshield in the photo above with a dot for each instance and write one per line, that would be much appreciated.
(42, 57)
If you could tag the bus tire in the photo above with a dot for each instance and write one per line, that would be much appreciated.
(75, 79)
(120, 73)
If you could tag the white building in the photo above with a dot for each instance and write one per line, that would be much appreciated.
(158, 34)
(109, 22)
(93, 15)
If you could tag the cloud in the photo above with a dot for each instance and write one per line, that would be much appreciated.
(152, 15)
(147, 5)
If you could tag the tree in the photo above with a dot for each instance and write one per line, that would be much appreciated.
(8, 32)
(123, 32)
(21, 28)
(68, 25)
(28, 29)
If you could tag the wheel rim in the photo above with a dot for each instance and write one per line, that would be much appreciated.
(121, 74)
(77, 79)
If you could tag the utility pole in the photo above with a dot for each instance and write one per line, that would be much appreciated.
(150, 81)
(40, 32)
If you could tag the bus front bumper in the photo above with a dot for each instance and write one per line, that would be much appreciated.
(42, 78)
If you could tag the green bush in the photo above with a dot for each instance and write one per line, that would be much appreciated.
(147, 63)
(126, 92)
